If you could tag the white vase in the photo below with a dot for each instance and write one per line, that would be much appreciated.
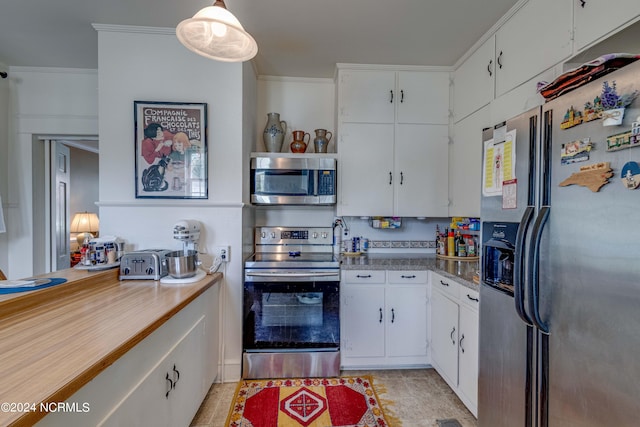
(612, 117)
(273, 135)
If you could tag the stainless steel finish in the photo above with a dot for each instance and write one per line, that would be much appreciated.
(147, 264)
(291, 275)
(501, 381)
(590, 275)
(315, 163)
(588, 288)
(291, 364)
(295, 163)
(181, 265)
(292, 255)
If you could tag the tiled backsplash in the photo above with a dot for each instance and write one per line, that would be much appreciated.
(401, 244)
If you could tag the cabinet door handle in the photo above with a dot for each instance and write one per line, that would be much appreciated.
(453, 331)
(408, 277)
(490, 67)
(461, 347)
(390, 178)
(391, 98)
(363, 276)
(499, 60)
(472, 298)
(582, 3)
(176, 376)
(444, 283)
(171, 385)
(401, 178)
(401, 96)
(380, 314)
(393, 315)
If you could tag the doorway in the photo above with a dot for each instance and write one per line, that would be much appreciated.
(66, 184)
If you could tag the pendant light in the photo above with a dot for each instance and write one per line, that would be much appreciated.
(215, 33)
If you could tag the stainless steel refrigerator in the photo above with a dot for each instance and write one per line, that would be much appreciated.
(560, 288)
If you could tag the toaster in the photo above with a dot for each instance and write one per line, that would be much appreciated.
(148, 264)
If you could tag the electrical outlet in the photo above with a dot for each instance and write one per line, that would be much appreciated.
(223, 253)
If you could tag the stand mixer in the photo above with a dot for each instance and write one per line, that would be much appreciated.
(183, 265)
(187, 231)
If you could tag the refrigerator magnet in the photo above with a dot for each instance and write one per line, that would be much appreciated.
(630, 175)
(622, 140)
(575, 151)
(593, 176)
(572, 118)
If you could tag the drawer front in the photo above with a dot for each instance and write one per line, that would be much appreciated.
(469, 297)
(408, 276)
(444, 284)
(364, 276)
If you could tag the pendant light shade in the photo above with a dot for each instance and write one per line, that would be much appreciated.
(215, 33)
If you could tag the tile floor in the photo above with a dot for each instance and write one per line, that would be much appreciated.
(419, 396)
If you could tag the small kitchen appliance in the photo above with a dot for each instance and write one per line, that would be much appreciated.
(291, 312)
(182, 265)
(148, 264)
(293, 181)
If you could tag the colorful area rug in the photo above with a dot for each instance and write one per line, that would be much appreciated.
(310, 402)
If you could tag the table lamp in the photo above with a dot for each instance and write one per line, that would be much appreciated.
(84, 223)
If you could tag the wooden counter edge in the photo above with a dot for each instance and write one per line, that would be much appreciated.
(62, 394)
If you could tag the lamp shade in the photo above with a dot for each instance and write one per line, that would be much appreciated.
(215, 33)
(85, 222)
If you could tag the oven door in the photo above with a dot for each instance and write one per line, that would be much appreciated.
(291, 316)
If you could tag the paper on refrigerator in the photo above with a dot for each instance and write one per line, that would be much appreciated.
(498, 163)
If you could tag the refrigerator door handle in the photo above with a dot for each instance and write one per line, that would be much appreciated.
(519, 264)
(533, 259)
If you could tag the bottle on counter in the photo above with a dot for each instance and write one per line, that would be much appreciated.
(451, 245)
(471, 246)
(438, 240)
(461, 248)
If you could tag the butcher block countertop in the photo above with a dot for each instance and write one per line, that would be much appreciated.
(55, 340)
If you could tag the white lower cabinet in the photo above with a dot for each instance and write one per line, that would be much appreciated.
(161, 381)
(383, 319)
(454, 337)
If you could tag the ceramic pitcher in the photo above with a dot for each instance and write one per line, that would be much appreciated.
(273, 135)
(299, 145)
(321, 141)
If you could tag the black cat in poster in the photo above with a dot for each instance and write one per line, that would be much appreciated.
(153, 176)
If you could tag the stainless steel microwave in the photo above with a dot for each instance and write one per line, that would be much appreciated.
(293, 181)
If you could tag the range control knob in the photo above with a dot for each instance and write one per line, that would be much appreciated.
(324, 234)
(315, 235)
(273, 235)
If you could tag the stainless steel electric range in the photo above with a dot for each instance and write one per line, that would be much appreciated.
(291, 304)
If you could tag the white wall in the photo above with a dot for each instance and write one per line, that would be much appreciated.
(43, 101)
(136, 64)
(304, 103)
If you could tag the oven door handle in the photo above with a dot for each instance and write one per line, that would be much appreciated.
(319, 274)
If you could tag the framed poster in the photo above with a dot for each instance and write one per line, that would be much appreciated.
(171, 150)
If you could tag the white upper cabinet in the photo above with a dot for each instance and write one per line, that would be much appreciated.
(421, 170)
(535, 38)
(473, 81)
(423, 97)
(367, 96)
(595, 19)
(465, 156)
(393, 139)
(376, 96)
